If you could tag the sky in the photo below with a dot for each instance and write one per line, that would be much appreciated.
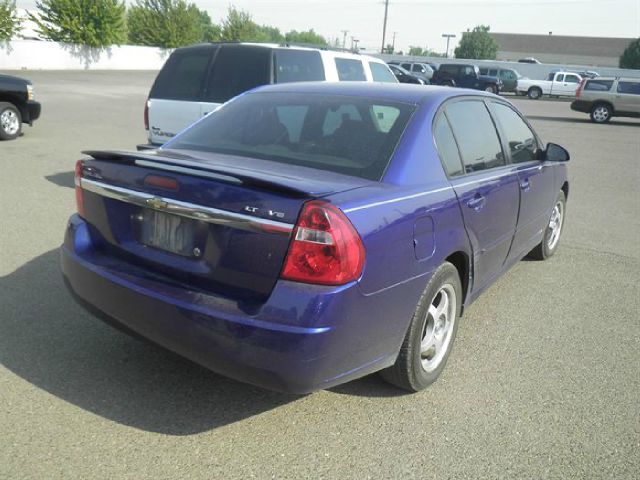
(422, 22)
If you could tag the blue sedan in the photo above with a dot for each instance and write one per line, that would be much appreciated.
(304, 235)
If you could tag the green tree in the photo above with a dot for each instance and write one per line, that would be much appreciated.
(477, 44)
(266, 33)
(168, 23)
(98, 23)
(631, 56)
(9, 21)
(426, 52)
(238, 26)
(309, 37)
(210, 31)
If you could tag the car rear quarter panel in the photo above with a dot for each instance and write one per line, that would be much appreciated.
(409, 224)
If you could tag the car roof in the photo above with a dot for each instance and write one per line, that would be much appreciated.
(416, 94)
(624, 79)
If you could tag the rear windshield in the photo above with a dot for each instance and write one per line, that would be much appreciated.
(183, 74)
(599, 85)
(350, 135)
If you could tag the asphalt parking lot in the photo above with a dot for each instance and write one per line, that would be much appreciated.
(544, 380)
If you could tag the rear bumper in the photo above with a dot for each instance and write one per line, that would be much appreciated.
(581, 106)
(304, 338)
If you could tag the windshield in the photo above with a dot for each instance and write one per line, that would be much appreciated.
(350, 135)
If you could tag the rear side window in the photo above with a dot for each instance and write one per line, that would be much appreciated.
(381, 73)
(476, 135)
(522, 142)
(298, 66)
(236, 69)
(183, 74)
(632, 88)
(447, 148)
(350, 70)
(343, 134)
(450, 69)
(560, 78)
(598, 85)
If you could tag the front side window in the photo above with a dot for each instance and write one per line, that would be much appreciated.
(476, 135)
(572, 79)
(381, 73)
(522, 142)
(632, 88)
(297, 66)
(350, 70)
(338, 133)
(447, 148)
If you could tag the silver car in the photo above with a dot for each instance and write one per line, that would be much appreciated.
(603, 98)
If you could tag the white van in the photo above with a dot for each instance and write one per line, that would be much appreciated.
(196, 79)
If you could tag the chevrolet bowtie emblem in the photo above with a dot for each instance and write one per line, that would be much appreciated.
(156, 203)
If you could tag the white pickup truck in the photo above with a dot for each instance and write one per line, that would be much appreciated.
(559, 84)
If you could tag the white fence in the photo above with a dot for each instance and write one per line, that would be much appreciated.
(41, 55)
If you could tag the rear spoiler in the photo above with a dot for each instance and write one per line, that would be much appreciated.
(173, 161)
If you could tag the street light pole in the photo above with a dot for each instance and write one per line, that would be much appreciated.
(448, 36)
(384, 25)
(344, 38)
(393, 43)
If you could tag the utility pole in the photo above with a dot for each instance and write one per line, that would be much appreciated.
(352, 40)
(384, 25)
(344, 37)
(448, 36)
(393, 43)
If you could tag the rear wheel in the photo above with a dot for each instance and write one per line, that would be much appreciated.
(429, 340)
(601, 113)
(491, 89)
(10, 121)
(552, 233)
(534, 93)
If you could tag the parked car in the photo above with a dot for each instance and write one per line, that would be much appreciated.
(560, 84)
(304, 235)
(508, 76)
(603, 98)
(465, 76)
(529, 60)
(196, 80)
(419, 69)
(404, 76)
(17, 106)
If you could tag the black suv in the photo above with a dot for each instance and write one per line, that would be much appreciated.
(16, 106)
(465, 76)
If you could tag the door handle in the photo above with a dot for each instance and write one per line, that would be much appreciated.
(477, 202)
(525, 185)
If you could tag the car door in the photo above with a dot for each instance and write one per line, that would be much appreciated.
(488, 190)
(628, 96)
(535, 178)
(571, 83)
(467, 78)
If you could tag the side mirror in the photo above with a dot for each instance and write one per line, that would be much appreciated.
(556, 153)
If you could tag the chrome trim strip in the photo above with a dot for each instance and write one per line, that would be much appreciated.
(186, 209)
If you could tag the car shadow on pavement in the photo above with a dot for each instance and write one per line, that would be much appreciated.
(49, 341)
(62, 179)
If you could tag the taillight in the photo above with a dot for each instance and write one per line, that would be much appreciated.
(326, 249)
(79, 194)
(146, 115)
(579, 90)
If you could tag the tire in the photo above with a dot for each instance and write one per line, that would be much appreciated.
(10, 121)
(534, 93)
(601, 113)
(491, 89)
(417, 367)
(447, 83)
(551, 237)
